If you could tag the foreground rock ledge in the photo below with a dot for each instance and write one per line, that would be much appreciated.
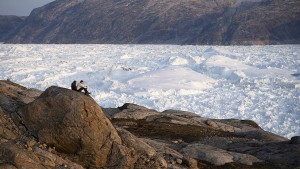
(60, 128)
(73, 123)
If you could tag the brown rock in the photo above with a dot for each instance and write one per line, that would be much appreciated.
(295, 140)
(31, 143)
(13, 96)
(261, 135)
(10, 153)
(7, 128)
(211, 123)
(278, 153)
(7, 166)
(217, 156)
(163, 148)
(122, 157)
(190, 162)
(50, 160)
(162, 163)
(179, 161)
(133, 111)
(73, 123)
(137, 144)
(110, 112)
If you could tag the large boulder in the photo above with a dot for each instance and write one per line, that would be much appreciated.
(74, 124)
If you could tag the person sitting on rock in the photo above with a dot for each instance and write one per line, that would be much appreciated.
(80, 86)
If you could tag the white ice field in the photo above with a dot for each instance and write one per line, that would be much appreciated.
(261, 83)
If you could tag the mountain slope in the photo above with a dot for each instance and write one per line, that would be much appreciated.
(163, 22)
(7, 24)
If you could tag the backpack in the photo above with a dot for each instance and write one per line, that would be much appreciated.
(73, 85)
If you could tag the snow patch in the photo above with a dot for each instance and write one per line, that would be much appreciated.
(178, 61)
(172, 77)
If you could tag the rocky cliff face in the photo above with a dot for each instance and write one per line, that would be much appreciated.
(60, 128)
(8, 24)
(216, 22)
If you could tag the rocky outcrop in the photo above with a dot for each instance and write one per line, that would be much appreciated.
(60, 128)
(73, 123)
(18, 149)
(183, 137)
(8, 24)
(230, 22)
(13, 155)
(217, 156)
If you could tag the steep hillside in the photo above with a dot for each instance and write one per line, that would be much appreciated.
(163, 21)
(7, 24)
